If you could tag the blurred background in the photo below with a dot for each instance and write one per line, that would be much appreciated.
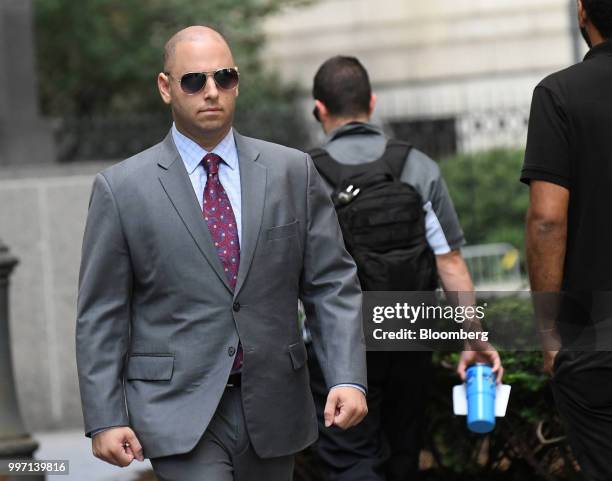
(453, 77)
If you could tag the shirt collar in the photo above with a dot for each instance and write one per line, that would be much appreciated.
(353, 128)
(192, 153)
(603, 48)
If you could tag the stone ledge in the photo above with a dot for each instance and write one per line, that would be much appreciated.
(53, 170)
(18, 447)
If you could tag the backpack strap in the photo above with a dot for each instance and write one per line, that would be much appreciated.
(395, 156)
(329, 168)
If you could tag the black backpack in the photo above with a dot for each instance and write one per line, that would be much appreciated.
(382, 221)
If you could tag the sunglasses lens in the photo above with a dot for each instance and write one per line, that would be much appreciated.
(193, 82)
(226, 78)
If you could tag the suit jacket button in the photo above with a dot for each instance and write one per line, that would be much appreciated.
(231, 350)
(236, 306)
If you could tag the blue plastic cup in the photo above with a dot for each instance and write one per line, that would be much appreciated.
(480, 390)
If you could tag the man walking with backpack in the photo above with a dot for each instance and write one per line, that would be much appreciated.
(416, 241)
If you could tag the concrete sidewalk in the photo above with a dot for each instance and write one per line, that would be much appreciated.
(75, 447)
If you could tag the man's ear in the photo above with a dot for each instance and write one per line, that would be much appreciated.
(372, 104)
(163, 85)
(322, 109)
(582, 16)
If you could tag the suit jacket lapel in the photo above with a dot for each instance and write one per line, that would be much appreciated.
(175, 182)
(253, 176)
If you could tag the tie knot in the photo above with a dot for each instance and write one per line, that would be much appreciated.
(211, 163)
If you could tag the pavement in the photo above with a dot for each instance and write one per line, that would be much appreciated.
(72, 445)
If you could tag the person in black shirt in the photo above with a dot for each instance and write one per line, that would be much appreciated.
(568, 166)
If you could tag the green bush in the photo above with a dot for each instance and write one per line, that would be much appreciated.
(106, 62)
(490, 200)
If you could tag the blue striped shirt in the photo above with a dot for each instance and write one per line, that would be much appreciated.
(229, 170)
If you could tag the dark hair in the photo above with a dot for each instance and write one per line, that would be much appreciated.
(600, 14)
(343, 85)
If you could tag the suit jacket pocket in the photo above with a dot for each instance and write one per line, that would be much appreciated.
(298, 355)
(150, 367)
(282, 231)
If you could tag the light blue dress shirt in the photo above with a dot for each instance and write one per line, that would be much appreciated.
(229, 170)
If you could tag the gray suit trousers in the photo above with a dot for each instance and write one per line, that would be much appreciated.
(224, 453)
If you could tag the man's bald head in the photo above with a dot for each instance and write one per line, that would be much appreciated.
(204, 115)
(195, 33)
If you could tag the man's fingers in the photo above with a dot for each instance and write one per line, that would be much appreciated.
(354, 415)
(360, 413)
(330, 408)
(110, 457)
(122, 455)
(130, 451)
(461, 369)
(347, 407)
(491, 357)
(106, 455)
(496, 365)
(118, 446)
(118, 456)
(138, 454)
(500, 375)
(493, 360)
(353, 419)
(549, 362)
(125, 458)
(135, 446)
(343, 418)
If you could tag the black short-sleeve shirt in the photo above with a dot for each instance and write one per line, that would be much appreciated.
(569, 143)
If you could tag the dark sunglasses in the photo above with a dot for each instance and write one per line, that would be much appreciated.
(193, 82)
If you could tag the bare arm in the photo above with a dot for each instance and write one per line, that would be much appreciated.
(454, 273)
(545, 239)
(546, 235)
(456, 280)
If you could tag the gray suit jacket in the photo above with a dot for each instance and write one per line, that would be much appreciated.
(157, 323)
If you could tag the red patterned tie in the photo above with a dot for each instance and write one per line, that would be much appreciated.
(219, 216)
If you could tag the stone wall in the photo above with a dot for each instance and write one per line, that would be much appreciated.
(42, 217)
(433, 59)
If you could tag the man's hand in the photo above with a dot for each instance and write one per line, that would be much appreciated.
(345, 407)
(549, 360)
(551, 343)
(468, 358)
(118, 446)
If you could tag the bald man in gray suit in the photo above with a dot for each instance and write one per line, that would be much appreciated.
(195, 253)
